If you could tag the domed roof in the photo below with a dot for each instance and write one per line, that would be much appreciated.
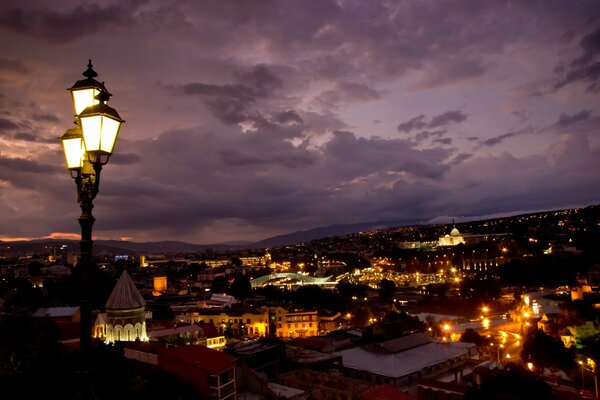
(454, 232)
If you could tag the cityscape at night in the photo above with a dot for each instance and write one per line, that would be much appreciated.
(320, 199)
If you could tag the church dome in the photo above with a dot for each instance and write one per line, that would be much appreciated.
(454, 232)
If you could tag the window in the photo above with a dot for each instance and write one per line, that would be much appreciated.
(248, 321)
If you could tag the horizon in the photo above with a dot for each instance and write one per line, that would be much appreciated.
(245, 122)
(76, 237)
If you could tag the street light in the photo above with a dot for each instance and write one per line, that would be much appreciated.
(87, 147)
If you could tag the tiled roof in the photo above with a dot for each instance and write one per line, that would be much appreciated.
(125, 295)
(405, 342)
(213, 361)
(386, 392)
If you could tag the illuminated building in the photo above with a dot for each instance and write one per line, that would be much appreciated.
(125, 312)
(453, 239)
(295, 323)
(230, 322)
(160, 284)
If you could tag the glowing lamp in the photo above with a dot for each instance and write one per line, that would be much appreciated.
(100, 124)
(84, 92)
(72, 142)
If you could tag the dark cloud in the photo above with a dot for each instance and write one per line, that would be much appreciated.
(27, 137)
(231, 103)
(460, 158)
(413, 124)
(6, 124)
(261, 79)
(440, 120)
(565, 119)
(498, 139)
(591, 48)
(45, 118)
(23, 173)
(447, 118)
(346, 93)
(288, 117)
(125, 158)
(54, 26)
(445, 141)
(13, 66)
(585, 68)
(424, 135)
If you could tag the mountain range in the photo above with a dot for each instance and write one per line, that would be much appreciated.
(127, 247)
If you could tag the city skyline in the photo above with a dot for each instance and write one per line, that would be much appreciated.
(250, 120)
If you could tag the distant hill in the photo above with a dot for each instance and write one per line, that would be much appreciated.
(174, 247)
(327, 231)
(112, 246)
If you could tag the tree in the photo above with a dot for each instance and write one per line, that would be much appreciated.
(470, 335)
(219, 285)
(240, 287)
(35, 268)
(512, 382)
(236, 262)
(347, 289)
(387, 289)
(544, 351)
(480, 287)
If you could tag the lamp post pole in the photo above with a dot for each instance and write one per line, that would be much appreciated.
(86, 191)
(87, 148)
(582, 379)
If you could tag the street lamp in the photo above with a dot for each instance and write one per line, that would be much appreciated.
(87, 147)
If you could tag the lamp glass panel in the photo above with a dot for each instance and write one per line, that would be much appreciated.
(83, 98)
(92, 131)
(110, 130)
(74, 152)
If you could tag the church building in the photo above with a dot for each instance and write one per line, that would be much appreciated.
(125, 313)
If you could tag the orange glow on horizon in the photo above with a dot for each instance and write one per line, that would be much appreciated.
(53, 235)
(14, 239)
(59, 235)
(63, 235)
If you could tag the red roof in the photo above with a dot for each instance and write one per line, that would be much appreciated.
(201, 357)
(386, 392)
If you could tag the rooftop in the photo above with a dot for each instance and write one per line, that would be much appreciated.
(404, 362)
(125, 295)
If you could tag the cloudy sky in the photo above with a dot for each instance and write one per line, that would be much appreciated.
(248, 119)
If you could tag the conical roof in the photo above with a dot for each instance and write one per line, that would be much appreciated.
(125, 295)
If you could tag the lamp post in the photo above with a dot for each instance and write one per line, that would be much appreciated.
(581, 365)
(87, 147)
